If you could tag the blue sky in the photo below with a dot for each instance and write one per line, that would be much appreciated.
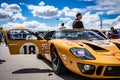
(44, 14)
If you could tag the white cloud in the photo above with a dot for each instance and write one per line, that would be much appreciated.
(43, 11)
(67, 22)
(10, 12)
(66, 15)
(91, 21)
(116, 22)
(41, 3)
(111, 6)
(5, 15)
(108, 23)
(117, 26)
(19, 15)
(68, 25)
(71, 12)
(11, 7)
(21, 3)
(10, 25)
(108, 6)
(37, 26)
(65, 19)
(32, 25)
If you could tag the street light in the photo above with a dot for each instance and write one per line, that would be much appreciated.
(101, 22)
(57, 21)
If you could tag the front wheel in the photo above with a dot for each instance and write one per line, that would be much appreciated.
(39, 56)
(57, 64)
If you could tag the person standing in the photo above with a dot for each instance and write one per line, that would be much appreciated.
(62, 27)
(114, 33)
(77, 24)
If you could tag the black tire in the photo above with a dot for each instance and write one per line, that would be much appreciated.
(39, 56)
(57, 64)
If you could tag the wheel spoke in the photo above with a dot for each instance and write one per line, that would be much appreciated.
(54, 58)
(57, 64)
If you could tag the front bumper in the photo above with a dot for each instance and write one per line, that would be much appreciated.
(99, 70)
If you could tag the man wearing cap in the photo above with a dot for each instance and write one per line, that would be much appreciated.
(77, 24)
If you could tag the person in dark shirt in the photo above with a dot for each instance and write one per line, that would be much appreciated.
(113, 30)
(114, 33)
(77, 24)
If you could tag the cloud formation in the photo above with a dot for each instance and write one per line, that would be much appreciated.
(10, 12)
(43, 11)
(32, 25)
(70, 12)
(105, 6)
(91, 15)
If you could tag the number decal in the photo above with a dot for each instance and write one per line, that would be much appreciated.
(32, 49)
(29, 48)
(25, 49)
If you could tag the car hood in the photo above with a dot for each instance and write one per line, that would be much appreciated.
(104, 50)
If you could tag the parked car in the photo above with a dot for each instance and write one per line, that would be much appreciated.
(83, 52)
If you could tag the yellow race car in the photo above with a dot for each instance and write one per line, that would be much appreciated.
(83, 52)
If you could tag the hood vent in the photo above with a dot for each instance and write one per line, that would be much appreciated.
(117, 44)
(95, 47)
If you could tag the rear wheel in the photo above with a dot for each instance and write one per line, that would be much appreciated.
(57, 64)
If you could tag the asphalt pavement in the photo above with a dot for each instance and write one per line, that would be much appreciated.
(28, 67)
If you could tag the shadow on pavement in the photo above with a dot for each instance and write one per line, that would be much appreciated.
(1, 61)
(72, 76)
(32, 70)
(68, 75)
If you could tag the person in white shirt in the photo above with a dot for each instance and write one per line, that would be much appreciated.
(62, 27)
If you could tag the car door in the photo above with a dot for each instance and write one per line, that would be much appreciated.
(23, 41)
(45, 44)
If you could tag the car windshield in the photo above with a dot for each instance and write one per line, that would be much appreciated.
(77, 35)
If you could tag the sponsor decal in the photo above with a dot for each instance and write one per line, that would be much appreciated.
(45, 47)
(116, 55)
(12, 44)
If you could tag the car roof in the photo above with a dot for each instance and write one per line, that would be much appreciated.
(19, 28)
(77, 30)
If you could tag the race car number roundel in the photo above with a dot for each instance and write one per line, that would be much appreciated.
(29, 48)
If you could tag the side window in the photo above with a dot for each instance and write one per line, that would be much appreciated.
(21, 35)
(31, 37)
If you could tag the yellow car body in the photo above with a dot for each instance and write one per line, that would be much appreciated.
(93, 57)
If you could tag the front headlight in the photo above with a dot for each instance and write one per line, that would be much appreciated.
(82, 53)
